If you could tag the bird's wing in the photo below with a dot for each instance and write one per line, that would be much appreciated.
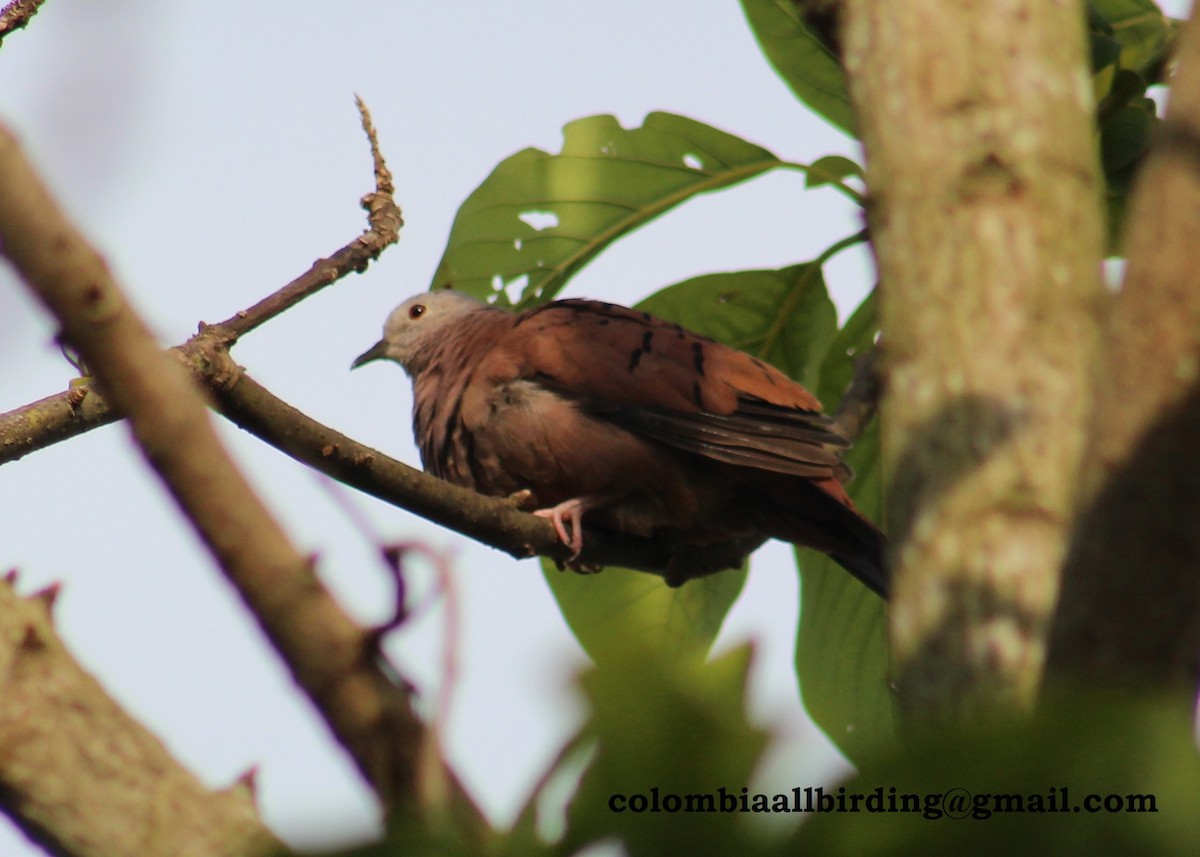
(660, 380)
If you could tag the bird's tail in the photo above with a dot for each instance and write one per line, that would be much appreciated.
(821, 516)
(868, 566)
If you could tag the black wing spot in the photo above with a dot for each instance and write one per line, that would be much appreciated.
(766, 372)
(635, 358)
(697, 397)
(647, 317)
(646, 341)
(698, 358)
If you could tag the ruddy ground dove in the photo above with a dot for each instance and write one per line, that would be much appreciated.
(645, 427)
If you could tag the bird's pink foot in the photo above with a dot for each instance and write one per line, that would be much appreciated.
(570, 510)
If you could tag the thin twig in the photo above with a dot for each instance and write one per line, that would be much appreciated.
(81, 409)
(384, 223)
(17, 14)
(861, 401)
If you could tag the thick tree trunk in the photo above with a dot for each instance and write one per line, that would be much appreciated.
(1130, 613)
(985, 215)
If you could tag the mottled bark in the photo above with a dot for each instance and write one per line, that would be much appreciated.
(82, 777)
(984, 211)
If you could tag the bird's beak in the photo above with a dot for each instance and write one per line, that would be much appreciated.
(378, 351)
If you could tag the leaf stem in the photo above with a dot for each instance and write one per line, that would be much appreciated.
(788, 305)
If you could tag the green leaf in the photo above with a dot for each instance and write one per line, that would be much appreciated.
(854, 339)
(1124, 752)
(1096, 22)
(1138, 25)
(1106, 52)
(1130, 41)
(830, 169)
(808, 66)
(781, 316)
(1106, 56)
(841, 647)
(1124, 140)
(542, 818)
(606, 611)
(666, 728)
(1117, 190)
(539, 218)
(1126, 136)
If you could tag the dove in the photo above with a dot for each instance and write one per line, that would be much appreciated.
(646, 428)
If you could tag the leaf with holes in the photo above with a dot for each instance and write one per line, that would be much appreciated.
(539, 218)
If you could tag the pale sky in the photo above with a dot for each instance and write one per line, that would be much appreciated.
(212, 152)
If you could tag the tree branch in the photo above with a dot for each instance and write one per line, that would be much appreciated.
(55, 418)
(331, 658)
(81, 408)
(17, 14)
(384, 220)
(81, 777)
(491, 520)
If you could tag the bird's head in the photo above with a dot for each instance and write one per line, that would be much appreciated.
(417, 325)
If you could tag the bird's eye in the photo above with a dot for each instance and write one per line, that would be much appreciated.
(416, 311)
